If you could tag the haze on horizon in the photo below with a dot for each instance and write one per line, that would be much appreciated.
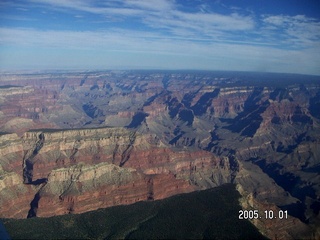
(250, 35)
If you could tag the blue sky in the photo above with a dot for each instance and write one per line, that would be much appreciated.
(248, 35)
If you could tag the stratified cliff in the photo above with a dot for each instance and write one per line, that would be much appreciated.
(284, 227)
(130, 136)
(74, 171)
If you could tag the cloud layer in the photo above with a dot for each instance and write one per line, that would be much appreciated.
(145, 29)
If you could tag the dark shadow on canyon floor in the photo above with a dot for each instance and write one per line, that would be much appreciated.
(209, 214)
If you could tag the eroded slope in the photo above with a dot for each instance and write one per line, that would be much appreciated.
(172, 131)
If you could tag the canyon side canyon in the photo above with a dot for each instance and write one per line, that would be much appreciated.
(72, 142)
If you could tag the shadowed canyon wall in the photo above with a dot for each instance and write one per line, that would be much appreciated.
(74, 142)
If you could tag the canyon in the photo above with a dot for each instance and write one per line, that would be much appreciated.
(73, 142)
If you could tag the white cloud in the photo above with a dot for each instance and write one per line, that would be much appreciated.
(85, 6)
(141, 43)
(299, 30)
(280, 43)
(216, 21)
(161, 14)
(154, 5)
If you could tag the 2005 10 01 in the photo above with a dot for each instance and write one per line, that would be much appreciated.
(267, 214)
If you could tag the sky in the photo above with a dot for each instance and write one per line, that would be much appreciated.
(246, 35)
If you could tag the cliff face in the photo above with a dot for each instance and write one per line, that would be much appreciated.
(60, 171)
(84, 188)
(15, 196)
(274, 222)
(170, 132)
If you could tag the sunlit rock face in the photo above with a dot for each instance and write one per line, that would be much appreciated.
(131, 136)
(63, 169)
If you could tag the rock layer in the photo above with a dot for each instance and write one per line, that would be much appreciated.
(64, 169)
(176, 131)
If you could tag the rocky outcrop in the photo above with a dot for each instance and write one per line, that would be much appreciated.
(83, 188)
(15, 197)
(184, 131)
(64, 169)
(270, 222)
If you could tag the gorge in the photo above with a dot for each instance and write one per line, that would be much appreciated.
(73, 142)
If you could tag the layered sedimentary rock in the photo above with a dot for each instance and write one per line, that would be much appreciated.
(174, 132)
(15, 196)
(84, 188)
(75, 171)
(270, 222)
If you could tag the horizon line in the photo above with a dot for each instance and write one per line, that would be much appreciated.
(84, 70)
